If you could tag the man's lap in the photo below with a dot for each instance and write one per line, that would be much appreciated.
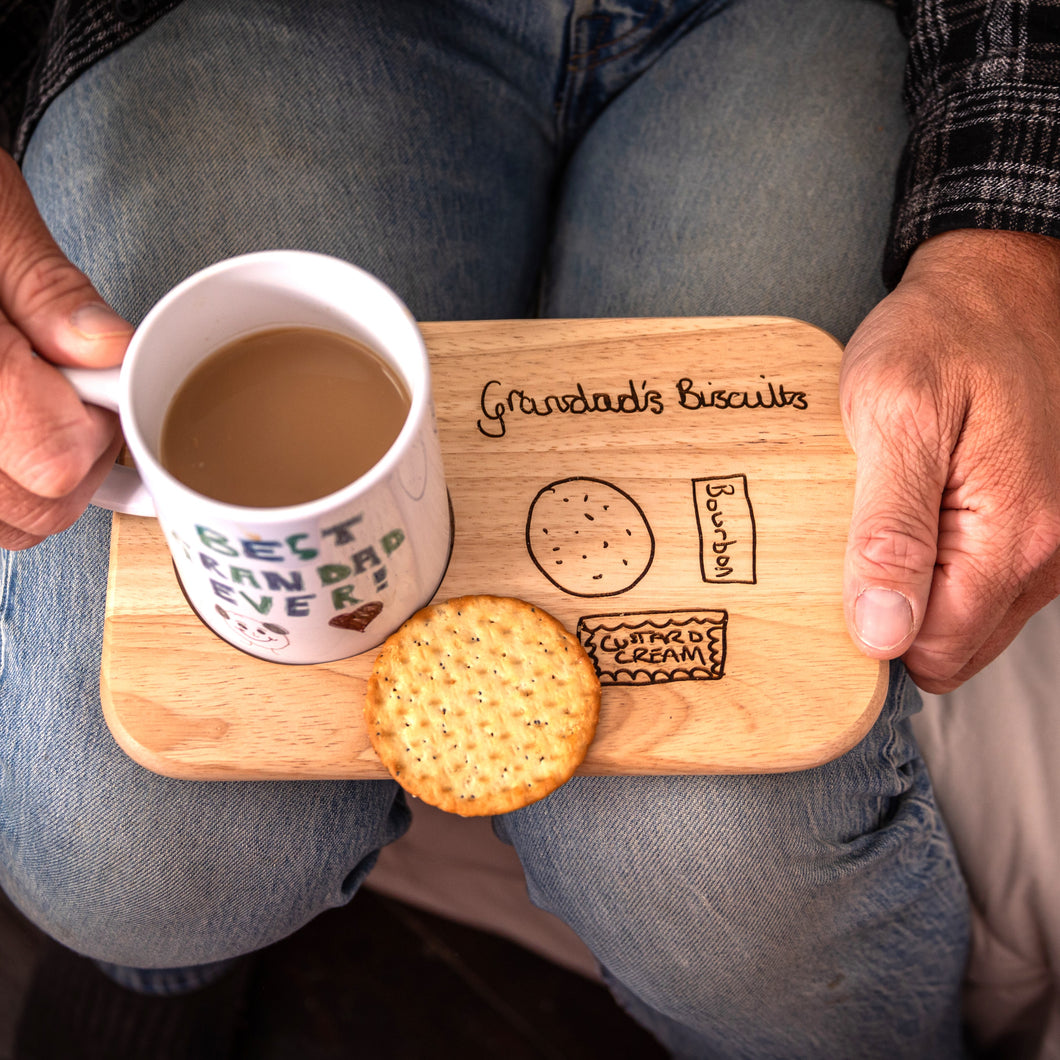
(445, 191)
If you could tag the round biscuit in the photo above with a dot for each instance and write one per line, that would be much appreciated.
(482, 704)
(588, 537)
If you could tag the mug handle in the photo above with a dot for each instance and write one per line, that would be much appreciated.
(122, 490)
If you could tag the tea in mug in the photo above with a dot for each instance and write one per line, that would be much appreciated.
(282, 416)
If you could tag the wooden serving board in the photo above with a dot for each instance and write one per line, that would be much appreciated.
(676, 490)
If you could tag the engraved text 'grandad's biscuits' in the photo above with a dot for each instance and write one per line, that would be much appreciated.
(654, 647)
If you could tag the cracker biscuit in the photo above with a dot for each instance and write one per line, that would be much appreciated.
(482, 704)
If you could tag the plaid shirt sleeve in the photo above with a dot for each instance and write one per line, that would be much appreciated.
(983, 94)
(22, 29)
(45, 44)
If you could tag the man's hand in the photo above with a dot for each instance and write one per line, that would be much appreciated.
(951, 398)
(54, 451)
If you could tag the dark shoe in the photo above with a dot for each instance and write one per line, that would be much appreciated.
(74, 1012)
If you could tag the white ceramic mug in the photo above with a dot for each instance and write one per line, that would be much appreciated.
(313, 582)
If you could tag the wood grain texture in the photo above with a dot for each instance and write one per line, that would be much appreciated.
(716, 442)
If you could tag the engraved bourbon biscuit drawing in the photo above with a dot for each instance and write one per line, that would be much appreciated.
(588, 537)
(726, 522)
(655, 647)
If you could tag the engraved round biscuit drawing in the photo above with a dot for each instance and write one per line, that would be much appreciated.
(588, 537)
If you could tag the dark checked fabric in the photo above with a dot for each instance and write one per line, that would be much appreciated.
(982, 89)
(45, 44)
(983, 92)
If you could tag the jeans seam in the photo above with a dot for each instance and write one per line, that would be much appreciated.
(6, 563)
(574, 63)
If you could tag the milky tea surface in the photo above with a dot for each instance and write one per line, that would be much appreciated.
(282, 416)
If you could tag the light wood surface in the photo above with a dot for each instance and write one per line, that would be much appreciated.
(720, 638)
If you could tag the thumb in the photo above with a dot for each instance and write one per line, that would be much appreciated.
(893, 540)
(43, 294)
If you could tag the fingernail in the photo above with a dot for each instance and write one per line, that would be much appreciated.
(883, 618)
(97, 321)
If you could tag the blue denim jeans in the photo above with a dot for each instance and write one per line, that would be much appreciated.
(597, 158)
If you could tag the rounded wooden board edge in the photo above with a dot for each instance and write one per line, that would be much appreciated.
(860, 729)
(150, 760)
